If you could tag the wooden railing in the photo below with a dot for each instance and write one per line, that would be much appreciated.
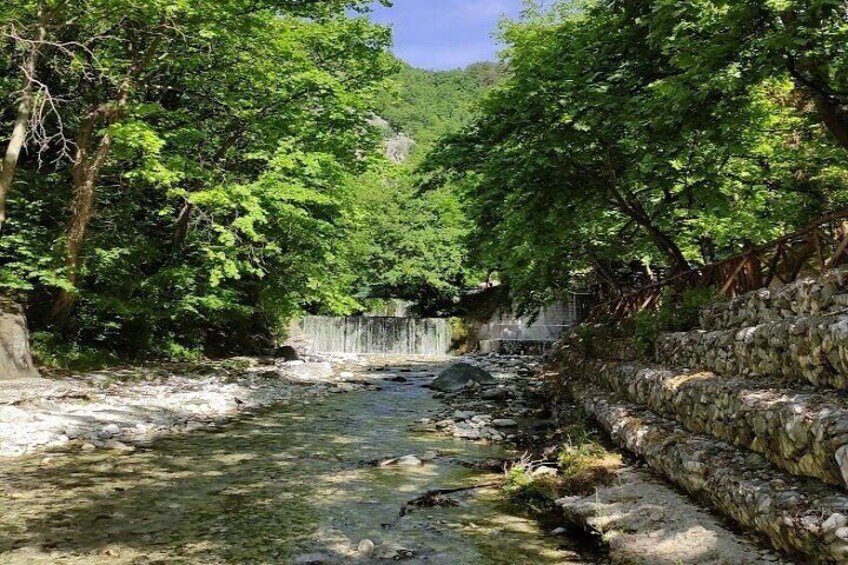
(814, 249)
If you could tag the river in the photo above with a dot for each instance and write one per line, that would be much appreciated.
(293, 484)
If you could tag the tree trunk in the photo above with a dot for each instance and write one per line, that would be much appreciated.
(22, 116)
(85, 174)
(633, 209)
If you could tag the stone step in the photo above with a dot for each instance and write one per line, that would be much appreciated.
(811, 348)
(802, 431)
(801, 516)
(805, 297)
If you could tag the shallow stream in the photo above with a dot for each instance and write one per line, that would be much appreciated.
(290, 485)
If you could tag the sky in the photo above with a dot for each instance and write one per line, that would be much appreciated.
(446, 34)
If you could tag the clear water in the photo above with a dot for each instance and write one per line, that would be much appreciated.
(286, 486)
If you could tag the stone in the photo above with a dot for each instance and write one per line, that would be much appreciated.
(366, 548)
(459, 375)
(118, 446)
(544, 472)
(504, 423)
(286, 353)
(461, 415)
(495, 394)
(88, 447)
(15, 356)
(428, 456)
(110, 430)
(409, 461)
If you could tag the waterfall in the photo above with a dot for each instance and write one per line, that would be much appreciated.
(381, 335)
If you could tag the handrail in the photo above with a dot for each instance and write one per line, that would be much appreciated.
(750, 270)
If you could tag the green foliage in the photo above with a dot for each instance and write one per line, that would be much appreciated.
(613, 142)
(409, 244)
(537, 494)
(428, 105)
(227, 193)
(678, 312)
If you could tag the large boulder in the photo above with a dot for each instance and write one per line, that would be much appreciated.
(457, 376)
(287, 353)
(15, 357)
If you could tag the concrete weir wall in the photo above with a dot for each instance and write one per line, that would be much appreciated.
(377, 335)
(15, 357)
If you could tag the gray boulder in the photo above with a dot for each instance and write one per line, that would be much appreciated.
(457, 376)
(15, 357)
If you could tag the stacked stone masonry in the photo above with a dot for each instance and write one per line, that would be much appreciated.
(827, 294)
(741, 413)
(804, 432)
(799, 516)
(811, 348)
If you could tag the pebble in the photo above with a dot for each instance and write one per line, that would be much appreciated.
(366, 548)
(110, 430)
(504, 423)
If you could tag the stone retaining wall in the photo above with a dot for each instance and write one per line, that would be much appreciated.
(801, 516)
(811, 348)
(803, 432)
(806, 297)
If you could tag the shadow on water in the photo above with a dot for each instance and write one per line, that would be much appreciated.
(287, 485)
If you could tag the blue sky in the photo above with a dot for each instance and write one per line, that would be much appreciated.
(446, 34)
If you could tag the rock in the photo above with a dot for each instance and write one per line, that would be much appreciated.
(457, 376)
(119, 446)
(461, 415)
(287, 353)
(366, 548)
(495, 394)
(409, 461)
(110, 430)
(544, 472)
(504, 423)
(399, 379)
(428, 455)
(15, 357)
(88, 447)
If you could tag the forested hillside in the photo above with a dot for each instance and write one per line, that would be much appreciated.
(415, 244)
(427, 105)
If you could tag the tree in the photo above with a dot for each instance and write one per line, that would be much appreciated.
(601, 150)
(216, 147)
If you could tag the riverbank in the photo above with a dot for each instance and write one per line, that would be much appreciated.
(120, 408)
(572, 477)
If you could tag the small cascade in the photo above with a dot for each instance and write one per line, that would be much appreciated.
(377, 335)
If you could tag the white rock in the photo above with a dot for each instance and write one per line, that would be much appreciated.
(409, 461)
(110, 430)
(366, 548)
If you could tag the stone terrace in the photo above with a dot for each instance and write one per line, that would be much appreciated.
(747, 414)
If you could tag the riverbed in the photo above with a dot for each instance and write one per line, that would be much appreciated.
(303, 483)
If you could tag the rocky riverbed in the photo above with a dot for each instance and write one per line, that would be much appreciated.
(311, 477)
(119, 408)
